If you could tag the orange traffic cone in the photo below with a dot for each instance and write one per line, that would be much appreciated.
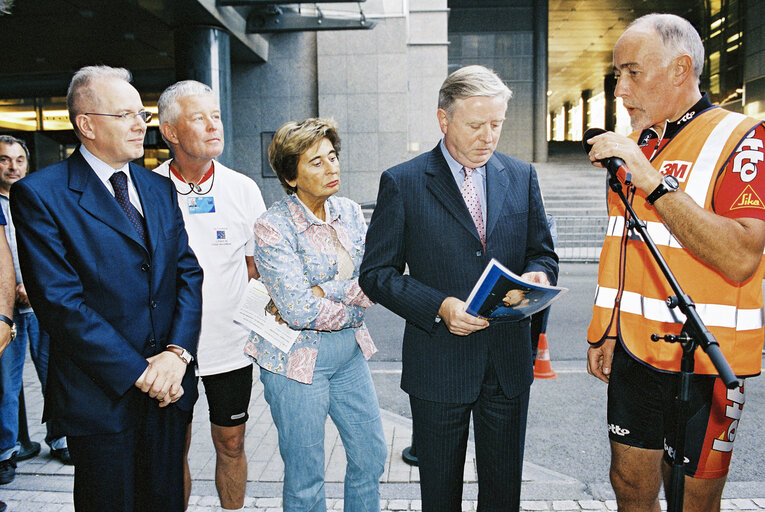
(543, 368)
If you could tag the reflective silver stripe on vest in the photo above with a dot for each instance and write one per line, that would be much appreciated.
(713, 315)
(656, 230)
(705, 166)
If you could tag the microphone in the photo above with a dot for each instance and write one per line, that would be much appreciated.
(614, 164)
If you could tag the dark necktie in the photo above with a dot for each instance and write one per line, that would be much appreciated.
(119, 182)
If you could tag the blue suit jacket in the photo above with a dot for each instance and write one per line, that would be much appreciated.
(421, 221)
(107, 301)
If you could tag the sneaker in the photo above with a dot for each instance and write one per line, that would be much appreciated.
(7, 470)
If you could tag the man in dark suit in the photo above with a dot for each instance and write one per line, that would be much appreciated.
(430, 217)
(108, 269)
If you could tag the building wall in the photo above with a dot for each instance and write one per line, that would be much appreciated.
(502, 39)
(754, 62)
(380, 85)
(265, 96)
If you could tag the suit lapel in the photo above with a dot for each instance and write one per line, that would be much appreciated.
(441, 183)
(497, 186)
(96, 199)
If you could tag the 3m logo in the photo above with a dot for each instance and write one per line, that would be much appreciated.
(677, 168)
(745, 162)
(748, 199)
(733, 412)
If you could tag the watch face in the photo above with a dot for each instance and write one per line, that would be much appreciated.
(671, 182)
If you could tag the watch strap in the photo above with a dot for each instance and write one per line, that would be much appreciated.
(7, 320)
(659, 191)
(181, 352)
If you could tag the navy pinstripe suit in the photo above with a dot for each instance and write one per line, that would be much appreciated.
(421, 221)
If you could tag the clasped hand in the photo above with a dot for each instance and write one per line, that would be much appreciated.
(162, 378)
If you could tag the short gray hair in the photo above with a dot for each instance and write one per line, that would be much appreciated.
(168, 101)
(678, 37)
(11, 140)
(468, 82)
(80, 91)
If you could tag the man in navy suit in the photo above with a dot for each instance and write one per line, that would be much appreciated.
(108, 269)
(445, 214)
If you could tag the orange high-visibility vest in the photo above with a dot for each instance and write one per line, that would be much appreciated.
(630, 298)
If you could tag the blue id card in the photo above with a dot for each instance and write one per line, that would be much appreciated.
(204, 204)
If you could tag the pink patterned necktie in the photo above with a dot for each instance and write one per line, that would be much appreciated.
(470, 195)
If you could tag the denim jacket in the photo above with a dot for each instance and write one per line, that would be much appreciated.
(294, 251)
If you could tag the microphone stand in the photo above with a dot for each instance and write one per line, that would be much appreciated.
(694, 334)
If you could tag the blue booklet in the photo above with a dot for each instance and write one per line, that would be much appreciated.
(500, 294)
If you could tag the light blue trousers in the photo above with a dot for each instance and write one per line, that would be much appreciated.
(342, 387)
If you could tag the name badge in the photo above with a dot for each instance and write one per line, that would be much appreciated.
(204, 204)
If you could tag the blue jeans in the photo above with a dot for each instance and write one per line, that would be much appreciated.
(342, 387)
(11, 374)
(39, 348)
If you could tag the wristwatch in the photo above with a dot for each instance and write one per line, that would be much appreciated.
(181, 352)
(668, 184)
(10, 323)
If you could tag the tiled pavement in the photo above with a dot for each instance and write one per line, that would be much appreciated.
(43, 484)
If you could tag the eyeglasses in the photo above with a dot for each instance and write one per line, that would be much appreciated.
(130, 116)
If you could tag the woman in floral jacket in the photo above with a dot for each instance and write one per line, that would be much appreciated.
(309, 247)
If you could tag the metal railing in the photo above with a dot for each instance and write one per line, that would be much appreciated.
(580, 238)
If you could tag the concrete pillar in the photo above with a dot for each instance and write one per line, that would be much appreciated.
(586, 116)
(566, 120)
(202, 53)
(540, 81)
(609, 86)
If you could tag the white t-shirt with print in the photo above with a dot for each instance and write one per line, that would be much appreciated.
(220, 228)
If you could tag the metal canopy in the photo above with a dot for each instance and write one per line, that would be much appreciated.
(264, 3)
(274, 19)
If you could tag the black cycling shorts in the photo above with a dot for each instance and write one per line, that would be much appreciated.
(641, 413)
(228, 396)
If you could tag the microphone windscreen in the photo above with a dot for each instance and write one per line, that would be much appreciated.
(590, 133)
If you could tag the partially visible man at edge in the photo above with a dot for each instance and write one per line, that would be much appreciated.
(14, 165)
(7, 300)
(110, 274)
(219, 207)
(698, 182)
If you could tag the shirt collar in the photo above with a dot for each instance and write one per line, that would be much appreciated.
(103, 170)
(673, 127)
(304, 218)
(454, 166)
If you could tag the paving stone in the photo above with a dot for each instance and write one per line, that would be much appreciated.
(416, 505)
(208, 501)
(611, 505)
(268, 502)
(591, 504)
(565, 505)
(745, 504)
(398, 505)
(760, 502)
(534, 505)
(727, 505)
(468, 506)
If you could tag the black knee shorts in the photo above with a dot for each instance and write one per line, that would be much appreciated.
(641, 413)
(228, 396)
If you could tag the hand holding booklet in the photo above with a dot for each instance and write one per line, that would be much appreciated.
(252, 315)
(501, 295)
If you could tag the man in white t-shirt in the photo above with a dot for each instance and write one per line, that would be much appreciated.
(219, 207)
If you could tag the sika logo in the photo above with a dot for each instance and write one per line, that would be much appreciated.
(748, 199)
(677, 168)
(733, 412)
